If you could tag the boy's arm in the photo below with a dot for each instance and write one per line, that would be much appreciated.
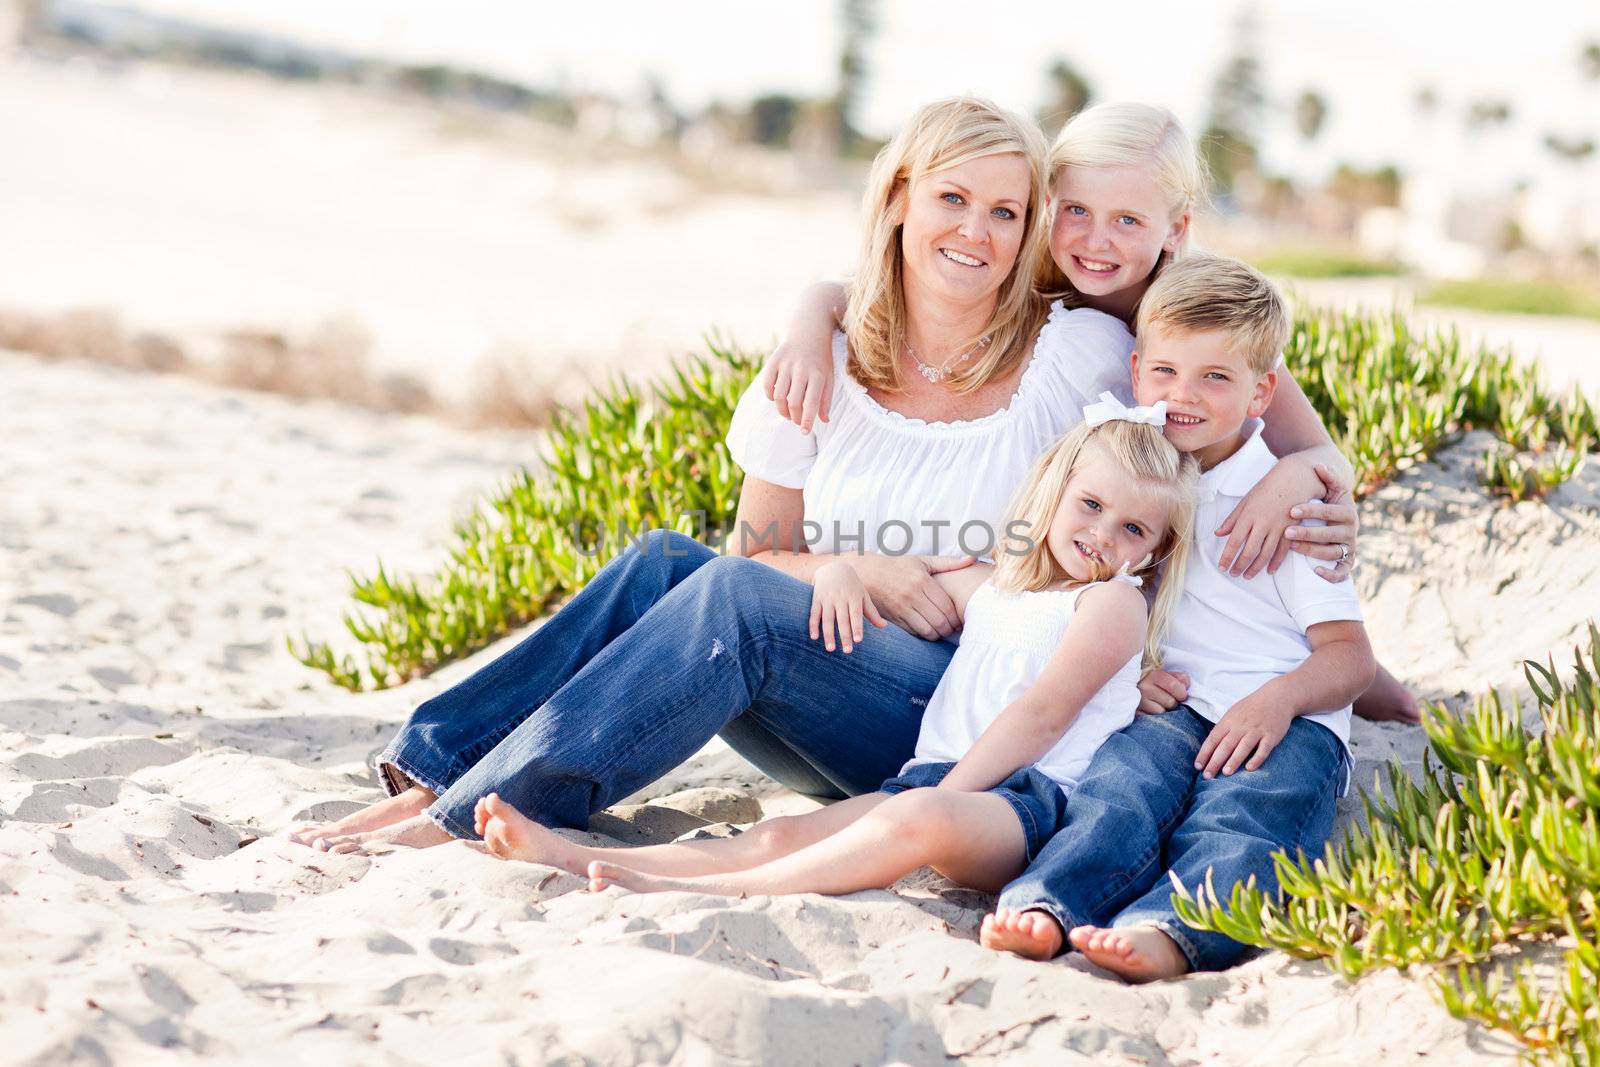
(1339, 669)
(799, 374)
(963, 583)
(1106, 631)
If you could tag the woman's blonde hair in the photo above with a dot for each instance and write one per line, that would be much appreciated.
(1127, 134)
(939, 136)
(1152, 465)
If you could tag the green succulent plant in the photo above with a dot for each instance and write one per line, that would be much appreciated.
(1476, 872)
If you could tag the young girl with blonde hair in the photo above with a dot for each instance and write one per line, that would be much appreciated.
(1054, 635)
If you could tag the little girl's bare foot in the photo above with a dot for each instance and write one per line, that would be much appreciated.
(511, 835)
(372, 817)
(419, 831)
(1030, 934)
(603, 875)
(1133, 953)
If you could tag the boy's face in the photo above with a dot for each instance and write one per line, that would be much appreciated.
(1209, 389)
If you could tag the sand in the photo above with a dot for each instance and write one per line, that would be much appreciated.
(162, 536)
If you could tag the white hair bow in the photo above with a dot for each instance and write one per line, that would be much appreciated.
(1111, 409)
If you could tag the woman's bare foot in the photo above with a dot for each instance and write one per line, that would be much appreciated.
(1388, 700)
(603, 875)
(511, 835)
(1030, 934)
(372, 817)
(419, 831)
(1132, 953)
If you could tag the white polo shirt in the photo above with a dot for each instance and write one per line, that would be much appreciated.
(1233, 635)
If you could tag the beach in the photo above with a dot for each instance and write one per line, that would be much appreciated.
(162, 538)
(164, 535)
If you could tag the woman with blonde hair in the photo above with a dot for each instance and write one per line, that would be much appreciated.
(953, 376)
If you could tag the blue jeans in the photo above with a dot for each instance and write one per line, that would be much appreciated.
(668, 646)
(1141, 810)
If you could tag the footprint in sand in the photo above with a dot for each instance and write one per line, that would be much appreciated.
(466, 953)
(95, 758)
(55, 603)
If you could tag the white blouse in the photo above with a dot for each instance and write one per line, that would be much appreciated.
(1006, 640)
(875, 480)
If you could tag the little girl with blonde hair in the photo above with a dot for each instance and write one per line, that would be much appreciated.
(1054, 634)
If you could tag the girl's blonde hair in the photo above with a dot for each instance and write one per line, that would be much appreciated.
(1151, 465)
(1126, 134)
(941, 135)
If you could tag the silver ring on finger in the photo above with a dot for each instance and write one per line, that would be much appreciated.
(1344, 553)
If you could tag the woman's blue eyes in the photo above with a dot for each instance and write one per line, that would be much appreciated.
(1133, 529)
(1092, 505)
(955, 198)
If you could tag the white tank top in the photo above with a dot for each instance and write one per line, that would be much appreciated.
(1006, 640)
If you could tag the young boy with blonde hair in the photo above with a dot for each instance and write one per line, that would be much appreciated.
(1254, 756)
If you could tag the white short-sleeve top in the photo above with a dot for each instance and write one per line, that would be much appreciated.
(878, 481)
(1006, 640)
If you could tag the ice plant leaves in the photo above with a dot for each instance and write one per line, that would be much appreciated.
(1481, 871)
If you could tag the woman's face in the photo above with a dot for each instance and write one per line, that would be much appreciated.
(1110, 226)
(963, 227)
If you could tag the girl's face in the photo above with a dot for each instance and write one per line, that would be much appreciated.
(1104, 520)
(963, 227)
(1110, 226)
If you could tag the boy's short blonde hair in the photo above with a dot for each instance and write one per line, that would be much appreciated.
(1205, 292)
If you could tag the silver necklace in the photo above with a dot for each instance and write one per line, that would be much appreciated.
(939, 374)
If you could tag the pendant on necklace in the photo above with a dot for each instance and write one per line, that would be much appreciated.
(935, 375)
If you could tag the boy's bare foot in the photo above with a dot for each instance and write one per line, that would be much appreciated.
(1032, 934)
(603, 875)
(1388, 700)
(1133, 953)
(511, 835)
(372, 817)
(419, 831)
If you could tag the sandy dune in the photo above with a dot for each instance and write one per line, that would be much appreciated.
(162, 536)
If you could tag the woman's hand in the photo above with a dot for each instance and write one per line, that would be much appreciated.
(1336, 540)
(840, 601)
(905, 592)
(1258, 529)
(1161, 691)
